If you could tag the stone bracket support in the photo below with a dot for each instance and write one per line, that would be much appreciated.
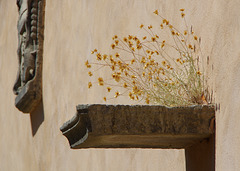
(139, 126)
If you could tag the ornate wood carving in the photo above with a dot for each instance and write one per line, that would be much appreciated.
(28, 84)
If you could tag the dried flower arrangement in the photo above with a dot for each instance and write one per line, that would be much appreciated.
(151, 68)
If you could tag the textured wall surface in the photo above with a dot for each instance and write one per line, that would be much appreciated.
(72, 30)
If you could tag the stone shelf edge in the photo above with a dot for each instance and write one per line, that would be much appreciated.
(138, 126)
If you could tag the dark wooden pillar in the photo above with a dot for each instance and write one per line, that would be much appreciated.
(201, 156)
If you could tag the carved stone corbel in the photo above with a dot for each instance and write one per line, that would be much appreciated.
(139, 126)
(28, 84)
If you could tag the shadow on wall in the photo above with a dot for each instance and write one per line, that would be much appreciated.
(37, 118)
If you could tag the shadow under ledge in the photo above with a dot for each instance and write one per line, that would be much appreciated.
(139, 126)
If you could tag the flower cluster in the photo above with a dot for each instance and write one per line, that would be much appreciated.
(154, 69)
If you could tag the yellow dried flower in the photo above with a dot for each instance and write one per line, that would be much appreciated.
(133, 76)
(163, 63)
(117, 55)
(141, 26)
(153, 39)
(116, 42)
(135, 90)
(143, 60)
(100, 81)
(99, 57)
(116, 76)
(149, 27)
(90, 73)
(116, 94)
(199, 73)
(87, 64)
(135, 38)
(89, 85)
(147, 64)
(161, 25)
(130, 44)
(182, 14)
(131, 96)
(113, 46)
(190, 46)
(182, 9)
(104, 57)
(113, 67)
(132, 61)
(109, 89)
(195, 37)
(119, 63)
(105, 99)
(147, 100)
(139, 47)
(185, 32)
(125, 85)
(156, 12)
(162, 45)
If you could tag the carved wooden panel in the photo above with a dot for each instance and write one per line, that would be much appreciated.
(28, 84)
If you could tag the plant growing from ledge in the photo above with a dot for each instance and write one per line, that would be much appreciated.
(161, 67)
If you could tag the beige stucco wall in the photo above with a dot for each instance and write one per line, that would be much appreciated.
(72, 30)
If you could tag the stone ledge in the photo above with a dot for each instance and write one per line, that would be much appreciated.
(138, 126)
